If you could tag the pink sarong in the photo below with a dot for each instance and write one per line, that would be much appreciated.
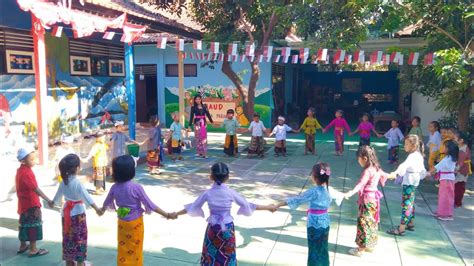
(445, 198)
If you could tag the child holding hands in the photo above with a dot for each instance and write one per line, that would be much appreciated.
(219, 247)
(318, 199)
(364, 129)
(339, 124)
(280, 136)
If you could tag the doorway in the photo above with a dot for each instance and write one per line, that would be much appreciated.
(146, 92)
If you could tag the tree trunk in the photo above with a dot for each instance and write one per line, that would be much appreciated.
(229, 72)
(249, 109)
(464, 110)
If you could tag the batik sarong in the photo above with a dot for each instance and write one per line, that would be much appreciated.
(219, 247)
(99, 176)
(256, 145)
(318, 250)
(31, 225)
(310, 138)
(130, 242)
(446, 198)
(408, 204)
(280, 146)
(339, 139)
(200, 136)
(459, 190)
(75, 239)
(176, 146)
(367, 225)
(231, 145)
(153, 158)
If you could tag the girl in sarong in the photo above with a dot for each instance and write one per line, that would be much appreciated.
(154, 153)
(219, 247)
(339, 124)
(310, 125)
(198, 115)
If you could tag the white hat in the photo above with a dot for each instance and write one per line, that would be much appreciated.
(118, 123)
(281, 118)
(68, 139)
(23, 152)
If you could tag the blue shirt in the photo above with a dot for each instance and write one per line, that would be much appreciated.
(318, 198)
(155, 138)
(119, 140)
(176, 128)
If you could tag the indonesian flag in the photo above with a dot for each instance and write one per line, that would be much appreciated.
(215, 56)
(185, 55)
(386, 59)
(286, 52)
(131, 32)
(376, 57)
(260, 58)
(161, 43)
(339, 56)
(294, 59)
(429, 59)
(236, 58)
(58, 30)
(304, 54)
(285, 59)
(230, 57)
(322, 54)
(209, 56)
(413, 59)
(118, 22)
(348, 59)
(191, 56)
(214, 47)
(197, 45)
(221, 57)
(109, 35)
(276, 59)
(242, 58)
(397, 58)
(359, 56)
(203, 56)
(232, 49)
(267, 52)
(250, 49)
(179, 45)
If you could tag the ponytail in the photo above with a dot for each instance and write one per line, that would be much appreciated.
(68, 166)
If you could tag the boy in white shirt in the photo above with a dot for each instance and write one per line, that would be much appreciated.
(394, 136)
(257, 143)
(280, 136)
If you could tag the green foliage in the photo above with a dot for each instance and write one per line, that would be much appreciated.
(450, 121)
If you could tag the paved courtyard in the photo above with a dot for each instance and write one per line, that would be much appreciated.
(264, 238)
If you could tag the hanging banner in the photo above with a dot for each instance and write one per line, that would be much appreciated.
(197, 45)
(232, 49)
(250, 49)
(214, 47)
(179, 45)
(413, 59)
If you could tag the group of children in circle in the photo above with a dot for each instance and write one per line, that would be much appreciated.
(449, 162)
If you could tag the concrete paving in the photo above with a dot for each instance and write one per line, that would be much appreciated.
(264, 238)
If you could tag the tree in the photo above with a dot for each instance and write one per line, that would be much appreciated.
(256, 21)
(448, 28)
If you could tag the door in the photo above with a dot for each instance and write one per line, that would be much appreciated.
(146, 92)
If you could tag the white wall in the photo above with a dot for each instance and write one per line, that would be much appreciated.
(425, 110)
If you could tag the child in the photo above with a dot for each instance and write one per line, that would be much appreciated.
(29, 206)
(310, 125)
(463, 169)
(445, 169)
(340, 124)
(153, 156)
(129, 197)
(445, 136)
(257, 142)
(433, 143)
(119, 139)
(394, 136)
(369, 200)
(219, 241)
(176, 136)
(99, 164)
(280, 136)
(231, 147)
(412, 170)
(318, 198)
(62, 151)
(74, 213)
(364, 129)
(415, 127)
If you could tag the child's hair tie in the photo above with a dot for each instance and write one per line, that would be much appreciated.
(325, 172)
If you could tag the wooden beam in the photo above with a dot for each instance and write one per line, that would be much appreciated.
(41, 88)
(181, 86)
(131, 95)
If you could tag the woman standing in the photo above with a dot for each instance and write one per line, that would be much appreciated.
(197, 117)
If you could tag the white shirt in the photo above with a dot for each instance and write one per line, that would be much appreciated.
(280, 131)
(73, 191)
(412, 169)
(257, 128)
(434, 142)
(446, 165)
(394, 136)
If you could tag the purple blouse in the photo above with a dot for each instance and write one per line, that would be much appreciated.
(219, 198)
(129, 195)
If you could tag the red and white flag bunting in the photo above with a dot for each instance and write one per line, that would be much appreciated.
(304, 54)
(185, 55)
(294, 59)
(348, 59)
(250, 49)
(191, 56)
(339, 56)
(276, 59)
(429, 59)
(242, 58)
(232, 49)
(285, 59)
(386, 59)
(197, 45)
(413, 59)
(322, 54)
(109, 35)
(57, 31)
(161, 43)
(286, 51)
(267, 52)
(180, 45)
(131, 32)
(221, 57)
(214, 47)
(376, 57)
(359, 56)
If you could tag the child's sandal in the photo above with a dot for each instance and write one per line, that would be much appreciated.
(356, 252)
(395, 232)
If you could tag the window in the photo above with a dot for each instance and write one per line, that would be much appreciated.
(190, 70)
